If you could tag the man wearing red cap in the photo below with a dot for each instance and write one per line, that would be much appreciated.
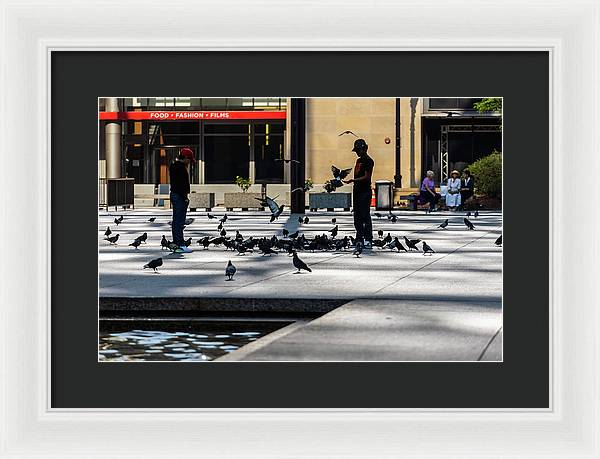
(180, 188)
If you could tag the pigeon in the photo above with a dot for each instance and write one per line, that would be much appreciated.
(444, 224)
(285, 232)
(498, 241)
(380, 234)
(299, 264)
(306, 220)
(187, 242)
(267, 251)
(153, 264)
(143, 238)
(469, 224)
(427, 249)
(398, 245)
(223, 232)
(112, 240)
(300, 220)
(378, 215)
(476, 214)
(164, 242)
(220, 227)
(210, 217)
(151, 219)
(107, 232)
(118, 220)
(136, 243)
(230, 270)
(334, 231)
(238, 236)
(223, 218)
(217, 240)
(293, 235)
(242, 249)
(347, 132)
(358, 250)
(338, 176)
(412, 244)
(387, 239)
(187, 222)
(205, 241)
(394, 219)
(333, 220)
(468, 213)
(287, 161)
(271, 204)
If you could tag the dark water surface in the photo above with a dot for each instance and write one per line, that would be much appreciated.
(177, 340)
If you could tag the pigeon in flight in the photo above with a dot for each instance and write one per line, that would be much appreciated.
(358, 250)
(112, 240)
(107, 232)
(427, 249)
(412, 244)
(164, 243)
(498, 241)
(153, 264)
(347, 132)
(306, 220)
(151, 219)
(287, 161)
(299, 264)
(230, 270)
(468, 224)
(118, 220)
(444, 224)
(136, 243)
(336, 181)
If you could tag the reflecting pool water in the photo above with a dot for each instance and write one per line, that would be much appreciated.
(176, 340)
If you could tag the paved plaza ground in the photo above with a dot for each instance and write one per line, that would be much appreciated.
(400, 306)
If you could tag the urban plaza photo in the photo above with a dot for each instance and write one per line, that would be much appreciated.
(300, 229)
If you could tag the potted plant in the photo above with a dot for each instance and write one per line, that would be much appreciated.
(243, 199)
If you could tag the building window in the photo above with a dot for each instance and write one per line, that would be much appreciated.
(453, 103)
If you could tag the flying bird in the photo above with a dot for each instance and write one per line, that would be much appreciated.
(107, 232)
(151, 219)
(299, 264)
(444, 224)
(336, 181)
(153, 264)
(468, 224)
(230, 270)
(412, 244)
(427, 249)
(112, 240)
(347, 132)
(498, 241)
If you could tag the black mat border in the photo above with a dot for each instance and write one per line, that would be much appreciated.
(78, 381)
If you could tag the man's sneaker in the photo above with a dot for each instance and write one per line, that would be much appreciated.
(184, 249)
(368, 245)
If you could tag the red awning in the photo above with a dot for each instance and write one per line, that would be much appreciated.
(192, 115)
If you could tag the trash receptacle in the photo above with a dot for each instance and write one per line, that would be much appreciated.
(384, 194)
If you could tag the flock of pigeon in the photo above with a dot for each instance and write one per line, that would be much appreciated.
(289, 243)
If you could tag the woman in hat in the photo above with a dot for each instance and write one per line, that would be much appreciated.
(453, 191)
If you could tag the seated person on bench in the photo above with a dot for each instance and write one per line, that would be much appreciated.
(428, 193)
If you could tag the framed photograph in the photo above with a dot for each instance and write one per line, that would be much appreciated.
(250, 229)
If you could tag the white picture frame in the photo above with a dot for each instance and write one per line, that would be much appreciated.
(569, 30)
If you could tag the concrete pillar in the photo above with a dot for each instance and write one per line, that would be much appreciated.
(298, 152)
(113, 141)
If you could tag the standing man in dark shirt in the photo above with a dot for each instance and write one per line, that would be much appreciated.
(180, 188)
(361, 194)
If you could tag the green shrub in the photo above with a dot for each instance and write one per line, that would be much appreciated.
(488, 174)
(308, 184)
(243, 183)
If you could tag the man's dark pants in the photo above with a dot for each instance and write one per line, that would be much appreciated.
(362, 215)
(179, 205)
